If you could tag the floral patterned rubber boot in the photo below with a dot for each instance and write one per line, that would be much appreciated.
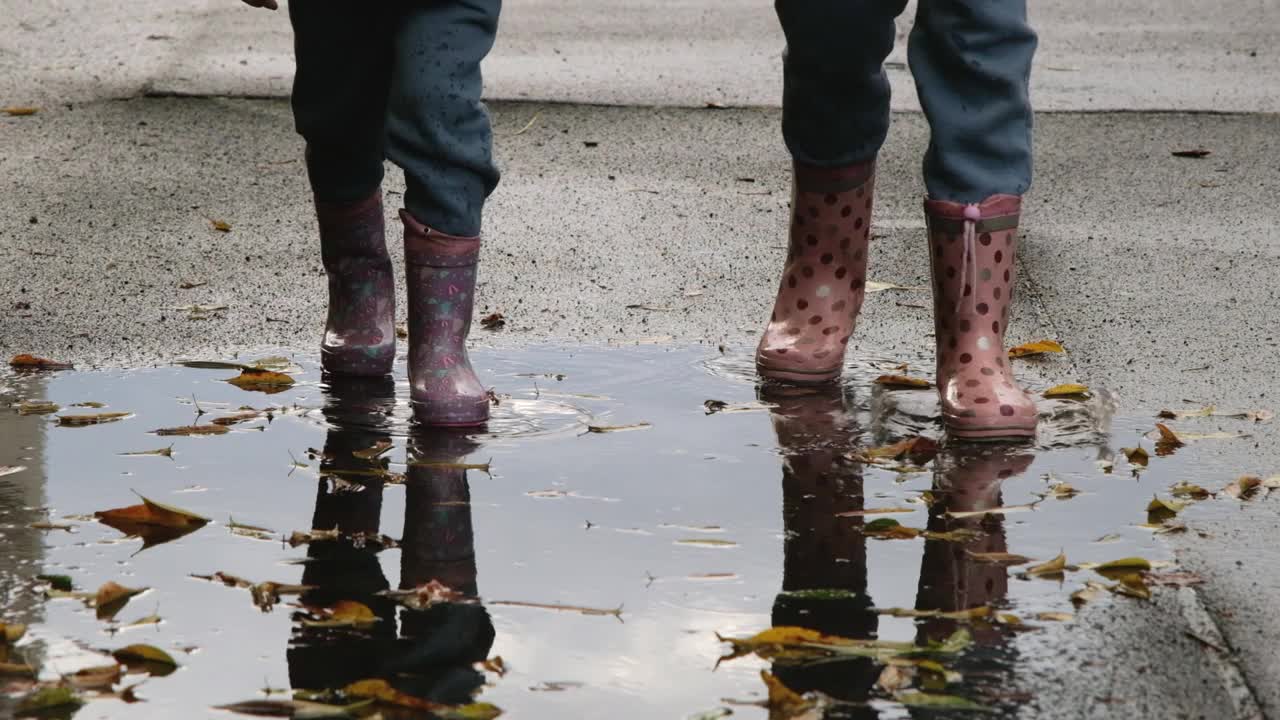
(441, 278)
(823, 280)
(972, 251)
(359, 332)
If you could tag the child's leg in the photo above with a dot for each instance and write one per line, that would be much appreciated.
(438, 131)
(835, 113)
(971, 60)
(339, 107)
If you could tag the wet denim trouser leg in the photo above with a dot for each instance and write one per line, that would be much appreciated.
(971, 60)
(400, 80)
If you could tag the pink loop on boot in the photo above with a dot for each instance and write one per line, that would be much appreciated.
(972, 213)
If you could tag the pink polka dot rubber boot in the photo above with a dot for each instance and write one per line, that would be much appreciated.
(441, 277)
(359, 332)
(972, 249)
(823, 280)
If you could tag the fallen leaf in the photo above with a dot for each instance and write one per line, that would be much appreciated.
(45, 699)
(1062, 491)
(918, 449)
(344, 613)
(101, 677)
(901, 381)
(265, 595)
(1038, 347)
(35, 362)
(555, 686)
(426, 595)
(1187, 490)
(493, 321)
(796, 643)
(238, 417)
(935, 700)
(1136, 456)
(149, 658)
(11, 469)
(1055, 616)
(889, 529)
(618, 428)
(402, 332)
(37, 407)
(1159, 510)
(369, 453)
(720, 406)
(895, 677)
(1132, 585)
(1244, 487)
(162, 452)
(145, 621)
(717, 714)
(111, 599)
(262, 380)
(495, 664)
(1088, 593)
(1003, 510)
(1051, 568)
(1172, 579)
(1069, 390)
(1168, 440)
(295, 709)
(192, 430)
(11, 633)
(220, 225)
(999, 558)
(191, 284)
(94, 419)
(1194, 153)
(961, 535)
(151, 521)
(19, 111)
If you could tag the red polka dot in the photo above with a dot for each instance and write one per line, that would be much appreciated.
(982, 308)
(857, 224)
(951, 342)
(813, 212)
(793, 331)
(841, 272)
(995, 327)
(971, 383)
(857, 254)
(815, 319)
(985, 238)
(999, 256)
(844, 243)
(844, 340)
(781, 351)
(1000, 361)
(951, 272)
(965, 357)
(846, 211)
(829, 330)
(1006, 276)
(811, 239)
(799, 219)
(1006, 410)
(855, 284)
(838, 305)
(791, 281)
(982, 400)
(806, 271)
(968, 289)
(862, 191)
(964, 325)
(822, 353)
(987, 371)
(802, 303)
(829, 199)
(996, 292)
(826, 258)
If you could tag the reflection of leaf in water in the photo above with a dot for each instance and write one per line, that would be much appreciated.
(153, 660)
(784, 702)
(11, 469)
(37, 407)
(151, 521)
(1051, 569)
(981, 611)
(48, 700)
(1136, 456)
(1158, 510)
(382, 691)
(93, 419)
(1003, 510)
(261, 380)
(999, 558)
(344, 613)
(192, 431)
(1187, 490)
(111, 599)
(294, 708)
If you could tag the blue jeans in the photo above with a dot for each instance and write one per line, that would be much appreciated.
(398, 80)
(971, 60)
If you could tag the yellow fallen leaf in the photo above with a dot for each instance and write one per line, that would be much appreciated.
(1088, 593)
(1056, 616)
(1244, 487)
(895, 677)
(1050, 568)
(1158, 510)
(382, 691)
(37, 407)
(11, 633)
(8, 669)
(220, 225)
(94, 419)
(1062, 491)
(112, 597)
(152, 521)
(19, 111)
(1187, 490)
(46, 699)
(901, 381)
(344, 613)
(261, 380)
(875, 286)
(148, 657)
(1038, 347)
(783, 701)
(1136, 456)
(1068, 390)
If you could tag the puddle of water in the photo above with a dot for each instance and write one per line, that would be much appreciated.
(695, 524)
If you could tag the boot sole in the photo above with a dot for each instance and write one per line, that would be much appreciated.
(798, 377)
(991, 434)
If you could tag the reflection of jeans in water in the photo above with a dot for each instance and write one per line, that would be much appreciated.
(397, 79)
(971, 60)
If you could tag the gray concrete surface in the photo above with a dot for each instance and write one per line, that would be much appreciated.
(1095, 54)
(1158, 273)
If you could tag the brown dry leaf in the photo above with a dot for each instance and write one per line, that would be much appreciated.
(1132, 585)
(1192, 153)
(344, 613)
(193, 430)
(154, 522)
(1244, 487)
(999, 558)
(1159, 511)
(1172, 579)
(493, 321)
(238, 417)
(101, 677)
(162, 452)
(369, 453)
(146, 657)
(1068, 390)
(901, 381)
(220, 225)
(93, 419)
(1038, 347)
(262, 380)
(37, 407)
(112, 597)
(1168, 440)
(1051, 568)
(784, 703)
(618, 428)
(1136, 456)
(1187, 490)
(889, 529)
(26, 361)
(1055, 616)
(495, 664)
(426, 595)
(49, 701)
(19, 110)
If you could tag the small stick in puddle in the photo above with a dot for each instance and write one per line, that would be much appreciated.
(615, 612)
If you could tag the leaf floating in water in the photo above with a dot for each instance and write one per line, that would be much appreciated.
(151, 521)
(1245, 487)
(919, 450)
(48, 701)
(58, 582)
(381, 690)
(1051, 569)
(162, 452)
(1136, 456)
(1190, 491)
(111, 599)
(618, 428)
(901, 381)
(238, 417)
(1062, 491)
(889, 529)
(265, 595)
(37, 407)
(1173, 579)
(720, 406)
(707, 542)
(427, 595)
(1168, 440)
(555, 686)
(193, 430)
(1069, 390)
(27, 361)
(11, 469)
(210, 364)
(262, 380)
(152, 659)
(1158, 511)
(100, 678)
(1090, 592)
(94, 419)
(1038, 347)
(369, 453)
(798, 644)
(295, 709)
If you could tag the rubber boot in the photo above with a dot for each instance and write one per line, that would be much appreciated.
(359, 332)
(441, 277)
(971, 249)
(823, 280)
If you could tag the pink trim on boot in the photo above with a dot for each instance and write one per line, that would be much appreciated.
(823, 280)
(972, 252)
(440, 272)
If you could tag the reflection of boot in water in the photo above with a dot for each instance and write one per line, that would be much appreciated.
(348, 499)
(438, 646)
(824, 583)
(967, 478)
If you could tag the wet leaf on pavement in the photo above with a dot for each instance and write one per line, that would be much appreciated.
(91, 419)
(493, 321)
(27, 361)
(1172, 579)
(262, 380)
(19, 110)
(37, 407)
(1167, 440)
(1068, 390)
(220, 225)
(1136, 456)
(1191, 153)
(1159, 510)
(1090, 592)
(1055, 616)
(901, 381)
(1038, 347)
(1187, 490)
(1245, 487)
